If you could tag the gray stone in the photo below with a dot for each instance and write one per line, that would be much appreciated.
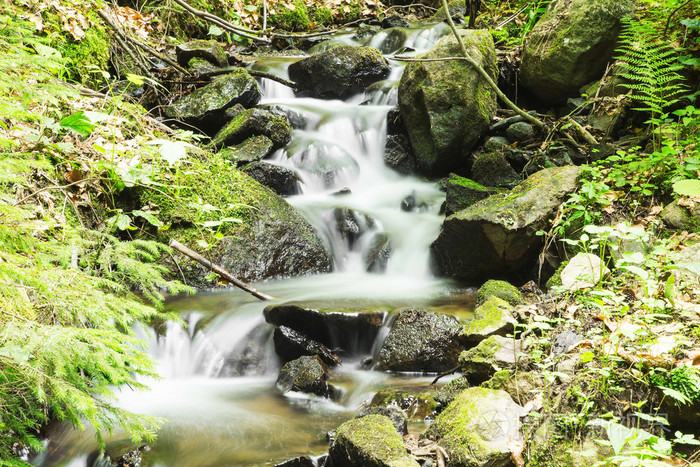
(207, 50)
(446, 105)
(306, 374)
(283, 180)
(493, 170)
(498, 234)
(376, 256)
(253, 122)
(249, 357)
(682, 218)
(570, 46)
(519, 132)
(290, 345)
(495, 353)
(585, 270)
(398, 154)
(494, 317)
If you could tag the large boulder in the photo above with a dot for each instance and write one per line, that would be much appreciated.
(370, 441)
(339, 72)
(477, 428)
(498, 235)
(460, 193)
(421, 340)
(447, 105)
(205, 108)
(570, 46)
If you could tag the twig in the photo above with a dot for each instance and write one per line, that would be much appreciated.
(175, 245)
(412, 5)
(587, 137)
(483, 74)
(670, 15)
(515, 15)
(241, 31)
(282, 35)
(441, 375)
(260, 74)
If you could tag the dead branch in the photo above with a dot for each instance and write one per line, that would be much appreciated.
(175, 245)
(441, 375)
(260, 74)
(587, 137)
(222, 23)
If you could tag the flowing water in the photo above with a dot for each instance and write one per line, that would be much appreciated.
(243, 421)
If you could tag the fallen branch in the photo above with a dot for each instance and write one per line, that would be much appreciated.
(222, 23)
(177, 246)
(260, 74)
(487, 78)
(441, 375)
(587, 137)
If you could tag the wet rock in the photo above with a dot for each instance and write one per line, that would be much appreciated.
(420, 340)
(398, 154)
(680, 217)
(295, 118)
(492, 354)
(418, 406)
(477, 429)
(446, 106)
(376, 256)
(392, 412)
(290, 345)
(494, 317)
(205, 107)
(395, 38)
(303, 461)
(352, 331)
(250, 356)
(283, 180)
(585, 270)
(210, 51)
(493, 170)
(500, 289)
(339, 72)
(201, 66)
(553, 157)
(306, 374)
(498, 234)
(570, 46)
(519, 132)
(446, 394)
(462, 192)
(503, 124)
(251, 150)
(394, 21)
(370, 441)
(351, 224)
(252, 122)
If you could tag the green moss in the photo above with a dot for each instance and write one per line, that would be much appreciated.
(498, 380)
(89, 57)
(417, 406)
(482, 353)
(296, 19)
(490, 317)
(500, 289)
(448, 392)
(372, 440)
(321, 15)
(354, 13)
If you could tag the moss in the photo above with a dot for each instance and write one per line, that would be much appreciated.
(370, 441)
(449, 392)
(482, 353)
(321, 15)
(354, 11)
(89, 57)
(492, 316)
(555, 280)
(292, 19)
(417, 406)
(498, 380)
(500, 289)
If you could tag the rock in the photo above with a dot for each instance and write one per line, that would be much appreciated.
(295, 118)
(418, 406)
(500, 289)
(352, 331)
(252, 122)
(394, 21)
(398, 154)
(303, 461)
(493, 170)
(306, 374)
(492, 354)
(201, 66)
(688, 261)
(494, 317)
(498, 234)
(283, 180)
(585, 270)
(369, 441)
(609, 116)
(392, 412)
(205, 107)
(351, 224)
(682, 218)
(376, 256)
(553, 157)
(253, 149)
(339, 72)
(564, 341)
(570, 46)
(208, 50)
(250, 356)
(290, 345)
(519, 132)
(446, 394)
(462, 192)
(503, 124)
(420, 340)
(477, 428)
(522, 386)
(446, 106)
(496, 143)
(393, 40)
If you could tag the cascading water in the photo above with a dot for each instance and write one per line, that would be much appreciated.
(217, 417)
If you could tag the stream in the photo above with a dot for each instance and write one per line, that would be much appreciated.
(246, 421)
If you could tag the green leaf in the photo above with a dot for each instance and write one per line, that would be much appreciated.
(79, 123)
(689, 187)
(46, 51)
(138, 80)
(215, 31)
(15, 353)
(691, 23)
(251, 8)
(150, 218)
(171, 151)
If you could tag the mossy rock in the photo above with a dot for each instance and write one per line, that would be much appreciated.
(493, 317)
(498, 235)
(500, 289)
(417, 406)
(283, 180)
(446, 394)
(306, 374)
(251, 150)
(210, 51)
(682, 218)
(493, 353)
(570, 46)
(476, 429)
(462, 192)
(446, 105)
(339, 72)
(291, 19)
(253, 122)
(492, 169)
(370, 441)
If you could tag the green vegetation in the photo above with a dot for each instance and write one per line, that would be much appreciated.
(292, 19)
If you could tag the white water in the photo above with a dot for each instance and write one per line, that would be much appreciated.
(244, 421)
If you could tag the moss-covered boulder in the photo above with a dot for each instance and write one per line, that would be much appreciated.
(306, 374)
(492, 169)
(570, 46)
(339, 72)
(351, 331)
(493, 317)
(416, 405)
(283, 180)
(480, 363)
(210, 51)
(251, 150)
(370, 441)
(393, 412)
(446, 105)
(460, 193)
(446, 394)
(477, 428)
(500, 289)
(421, 340)
(498, 235)
(205, 108)
(252, 122)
